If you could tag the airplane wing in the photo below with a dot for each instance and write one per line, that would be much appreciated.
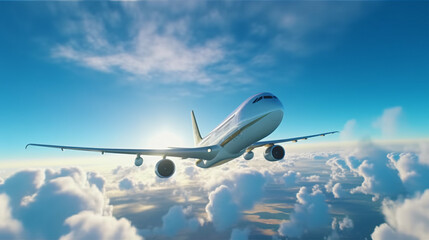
(206, 153)
(295, 139)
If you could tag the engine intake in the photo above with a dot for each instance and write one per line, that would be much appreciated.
(139, 161)
(165, 168)
(249, 155)
(274, 153)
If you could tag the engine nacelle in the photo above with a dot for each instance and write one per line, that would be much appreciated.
(165, 168)
(249, 155)
(139, 161)
(274, 153)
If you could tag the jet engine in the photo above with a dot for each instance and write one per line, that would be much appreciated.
(164, 168)
(139, 161)
(249, 155)
(274, 153)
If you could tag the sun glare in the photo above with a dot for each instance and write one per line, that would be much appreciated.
(165, 138)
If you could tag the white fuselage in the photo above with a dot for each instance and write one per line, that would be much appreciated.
(254, 119)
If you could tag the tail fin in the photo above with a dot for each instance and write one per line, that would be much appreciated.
(197, 135)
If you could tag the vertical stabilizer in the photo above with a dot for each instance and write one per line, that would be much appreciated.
(197, 135)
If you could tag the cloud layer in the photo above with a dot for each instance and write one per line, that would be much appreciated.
(44, 201)
(235, 194)
(224, 203)
(176, 220)
(405, 219)
(88, 225)
(380, 178)
(310, 213)
(10, 228)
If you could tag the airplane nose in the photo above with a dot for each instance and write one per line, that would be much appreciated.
(277, 109)
(276, 105)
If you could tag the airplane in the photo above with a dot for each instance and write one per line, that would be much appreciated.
(238, 134)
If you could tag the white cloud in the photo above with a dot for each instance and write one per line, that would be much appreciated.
(413, 174)
(130, 184)
(191, 172)
(313, 178)
(348, 130)
(240, 191)
(77, 174)
(290, 178)
(310, 213)
(385, 174)
(182, 194)
(248, 188)
(329, 186)
(424, 153)
(177, 220)
(196, 44)
(339, 167)
(380, 177)
(97, 180)
(136, 179)
(161, 50)
(87, 225)
(57, 200)
(122, 172)
(346, 223)
(385, 232)
(10, 228)
(240, 234)
(221, 209)
(126, 184)
(21, 184)
(45, 199)
(406, 219)
(338, 191)
(388, 121)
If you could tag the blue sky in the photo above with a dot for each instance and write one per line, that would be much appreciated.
(112, 74)
(127, 74)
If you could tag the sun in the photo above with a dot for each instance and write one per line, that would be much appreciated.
(165, 138)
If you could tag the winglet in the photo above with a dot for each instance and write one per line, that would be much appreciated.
(197, 135)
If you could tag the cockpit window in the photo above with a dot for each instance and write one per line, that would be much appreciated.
(257, 99)
(263, 97)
